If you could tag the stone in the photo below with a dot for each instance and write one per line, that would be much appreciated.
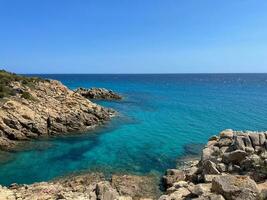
(235, 187)
(234, 157)
(228, 133)
(98, 93)
(216, 197)
(225, 142)
(104, 191)
(200, 189)
(247, 141)
(136, 186)
(209, 167)
(172, 176)
(239, 143)
(255, 139)
(180, 184)
(191, 173)
(221, 167)
(209, 153)
(179, 194)
(262, 139)
(213, 138)
(249, 150)
(209, 177)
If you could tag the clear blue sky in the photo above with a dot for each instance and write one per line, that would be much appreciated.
(133, 36)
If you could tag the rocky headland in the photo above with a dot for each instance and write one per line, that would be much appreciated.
(33, 107)
(98, 94)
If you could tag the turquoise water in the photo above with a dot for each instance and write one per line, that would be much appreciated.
(161, 118)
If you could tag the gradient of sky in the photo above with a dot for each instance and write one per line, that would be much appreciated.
(133, 36)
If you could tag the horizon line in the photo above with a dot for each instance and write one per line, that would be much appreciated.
(182, 73)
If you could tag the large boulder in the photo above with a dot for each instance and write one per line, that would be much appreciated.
(104, 191)
(234, 157)
(172, 176)
(235, 187)
(136, 186)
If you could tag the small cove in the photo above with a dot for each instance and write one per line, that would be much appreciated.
(161, 117)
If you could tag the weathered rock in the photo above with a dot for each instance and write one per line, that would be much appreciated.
(239, 143)
(201, 189)
(98, 93)
(191, 174)
(235, 187)
(50, 109)
(209, 153)
(179, 194)
(104, 191)
(225, 142)
(172, 176)
(209, 167)
(209, 177)
(255, 139)
(136, 186)
(234, 157)
(228, 133)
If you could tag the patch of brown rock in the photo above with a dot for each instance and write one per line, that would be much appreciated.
(85, 187)
(233, 166)
(98, 93)
(49, 108)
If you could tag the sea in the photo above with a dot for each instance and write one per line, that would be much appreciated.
(162, 119)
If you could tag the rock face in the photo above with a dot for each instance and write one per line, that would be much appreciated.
(83, 187)
(46, 108)
(98, 93)
(233, 166)
(235, 187)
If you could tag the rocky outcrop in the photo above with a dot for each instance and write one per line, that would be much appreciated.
(84, 187)
(233, 166)
(98, 93)
(45, 108)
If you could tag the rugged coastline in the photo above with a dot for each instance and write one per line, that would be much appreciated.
(32, 108)
(232, 167)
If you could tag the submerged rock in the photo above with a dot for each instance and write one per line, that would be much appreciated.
(98, 93)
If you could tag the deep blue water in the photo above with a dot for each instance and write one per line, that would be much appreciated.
(159, 117)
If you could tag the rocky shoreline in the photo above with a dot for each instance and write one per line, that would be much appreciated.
(91, 186)
(34, 108)
(232, 167)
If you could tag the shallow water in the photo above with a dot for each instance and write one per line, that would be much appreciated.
(161, 117)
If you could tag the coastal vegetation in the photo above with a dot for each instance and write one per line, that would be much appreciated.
(34, 107)
(7, 78)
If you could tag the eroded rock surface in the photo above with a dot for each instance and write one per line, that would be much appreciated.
(46, 108)
(98, 93)
(84, 187)
(233, 166)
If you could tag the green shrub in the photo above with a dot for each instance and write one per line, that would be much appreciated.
(27, 95)
(6, 78)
